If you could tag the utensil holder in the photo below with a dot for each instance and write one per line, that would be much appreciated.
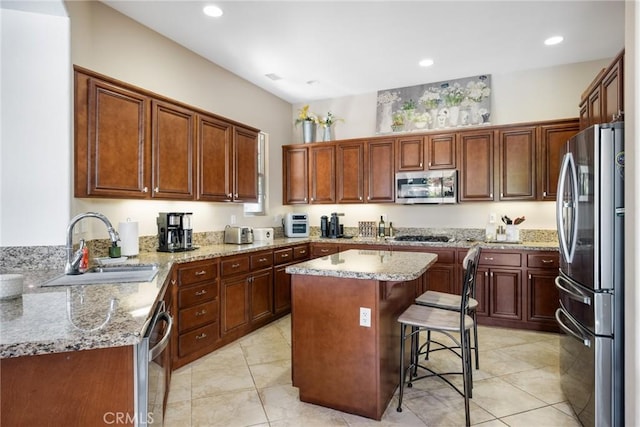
(513, 233)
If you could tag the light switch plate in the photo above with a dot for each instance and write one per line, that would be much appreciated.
(365, 317)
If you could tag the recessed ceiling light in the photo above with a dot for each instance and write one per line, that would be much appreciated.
(212, 10)
(553, 40)
(426, 62)
(273, 76)
(312, 82)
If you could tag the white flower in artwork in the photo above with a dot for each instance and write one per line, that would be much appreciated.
(477, 91)
(388, 97)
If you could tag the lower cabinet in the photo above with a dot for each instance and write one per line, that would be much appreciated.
(283, 258)
(542, 295)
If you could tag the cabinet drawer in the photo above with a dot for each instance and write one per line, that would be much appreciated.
(301, 252)
(197, 294)
(324, 250)
(261, 260)
(508, 259)
(197, 273)
(235, 265)
(282, 256)
(445, 256)
(199, 315)
(200, 338)
(547, 260)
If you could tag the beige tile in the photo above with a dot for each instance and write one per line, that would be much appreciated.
(500, 398)
(543, 417)
(543, 383)
(178, 414)
(566, 408)
(391, 417)
(443, 407)
(491, 338)
(282, 405)
(538, 354)
(232, 409)
(180, 389)
(271, 374)
(229, 357)
(495, 363)
(220, 380)
(258, 351)
(492, 423)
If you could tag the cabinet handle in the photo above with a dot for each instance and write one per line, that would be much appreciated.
(235, 265)
(544, 194)
(200, 273)
(547, 261)
(285, 255)
(200, 293)
(236, 195)
(488, 258)
(145, 190)
(368, 197)
(201, 313)
(305, 199)
(262, 260)
(304, 251)
(201, 336)
(420, 164)
(360, 198)
(312, 199)
(486, 274)
(491, 195)
(173, 281)
(229, 195)
(324, 250)
(491, 274)
(529, 276)
(156, 190)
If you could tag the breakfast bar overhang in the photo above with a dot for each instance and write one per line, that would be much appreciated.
(344, 332)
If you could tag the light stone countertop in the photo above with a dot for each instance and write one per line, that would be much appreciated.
(70, 318)
(392, 266)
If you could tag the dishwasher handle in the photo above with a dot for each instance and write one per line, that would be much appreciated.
(162, 344)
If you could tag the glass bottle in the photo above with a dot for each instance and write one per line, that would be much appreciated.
(381, 230)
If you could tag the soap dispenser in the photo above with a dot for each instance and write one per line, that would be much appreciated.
(490, 230)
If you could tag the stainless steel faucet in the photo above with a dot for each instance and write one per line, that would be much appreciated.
(73, 259)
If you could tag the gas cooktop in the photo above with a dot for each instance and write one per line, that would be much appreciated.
(422, 238)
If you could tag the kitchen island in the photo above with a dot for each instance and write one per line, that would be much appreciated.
(344, 332)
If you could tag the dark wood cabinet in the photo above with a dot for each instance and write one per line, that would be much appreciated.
(441, 151)
(380, 173)
(131, 143)
(517, 163)
(295, 175)
(603, 100)
(323, 249)
(322, 175)
(542, 295)
(350, 172)
(475, 155)
(552, 139)
(111, 160)
(172, 151)
(281, 279)
(410, 154)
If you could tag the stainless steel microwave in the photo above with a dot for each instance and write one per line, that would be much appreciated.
(427, 187)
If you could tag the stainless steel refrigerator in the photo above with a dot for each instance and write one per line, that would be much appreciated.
(590, 219)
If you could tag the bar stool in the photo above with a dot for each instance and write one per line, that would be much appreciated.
(418, 318)
(447, 301)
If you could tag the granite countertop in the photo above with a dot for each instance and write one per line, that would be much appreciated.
(368, 264)
(70, 318)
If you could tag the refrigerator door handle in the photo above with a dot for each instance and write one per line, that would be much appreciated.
(571, 291)
(586, 341)
(567, 237)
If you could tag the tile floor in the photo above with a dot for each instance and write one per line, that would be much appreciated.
(248, 383)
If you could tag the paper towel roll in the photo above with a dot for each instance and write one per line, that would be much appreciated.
(128, 238)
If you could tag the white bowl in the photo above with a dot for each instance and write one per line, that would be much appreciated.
(10, 285)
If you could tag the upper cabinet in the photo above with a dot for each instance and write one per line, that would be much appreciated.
(552, 138)
(441, 151)
(130, 143)
(350, 172)
(379, 171)
(410, 154)
(322, 175)
(517, 163)
(475, 155)
(603, 101)
(295, 175)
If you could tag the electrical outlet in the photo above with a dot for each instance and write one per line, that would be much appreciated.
(365, 317)
(492, 218)
(233, 219)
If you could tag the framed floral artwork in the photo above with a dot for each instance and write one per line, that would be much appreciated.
(439, 105)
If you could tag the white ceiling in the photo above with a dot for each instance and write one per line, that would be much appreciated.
(355, 47)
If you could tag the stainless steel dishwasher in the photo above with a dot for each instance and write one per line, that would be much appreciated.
(152, 368)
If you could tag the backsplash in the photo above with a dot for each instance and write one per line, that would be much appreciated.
(54, 257)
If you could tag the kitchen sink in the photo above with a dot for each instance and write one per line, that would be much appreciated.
(108, 274)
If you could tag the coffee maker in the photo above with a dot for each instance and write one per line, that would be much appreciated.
(334, 229)
(175, 232)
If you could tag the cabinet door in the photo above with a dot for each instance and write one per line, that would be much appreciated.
(441, 151)
(282, 289)
(214, 159)
(612, 91)
(410, 154)
(350, 172)
(482, 290)
(295, 176)
(441, 278)
(111, 133)
(172, 151)
(505, 294)
(235, 304)
(380, 181)
(517, 154)
(542, 297)
(322, 184)
(551, 149)
(584, 115)
(261, 295)
(476, 166)
(245, 166)
(595, 107)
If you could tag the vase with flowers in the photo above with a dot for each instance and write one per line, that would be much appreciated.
(326, 124)
(430, 100)
(309, 122)
(397, 121)
(453, 96)
(475, 93)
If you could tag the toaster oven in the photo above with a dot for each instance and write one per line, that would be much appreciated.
(296, 225)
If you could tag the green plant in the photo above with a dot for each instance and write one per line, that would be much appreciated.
(409, 105)
(329, 120)
(397, 119)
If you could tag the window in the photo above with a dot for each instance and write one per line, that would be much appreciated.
(260, 208)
